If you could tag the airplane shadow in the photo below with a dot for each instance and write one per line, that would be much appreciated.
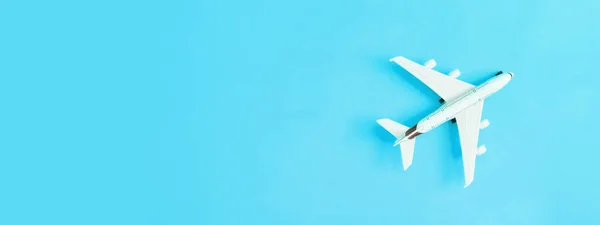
(381, 134)
(455, 150)
(451, 157)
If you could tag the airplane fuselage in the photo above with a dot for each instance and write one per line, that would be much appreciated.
(450, 109)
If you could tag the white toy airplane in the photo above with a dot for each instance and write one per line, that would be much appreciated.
(462, 103)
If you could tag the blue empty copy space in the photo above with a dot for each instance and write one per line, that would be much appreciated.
(264, 112)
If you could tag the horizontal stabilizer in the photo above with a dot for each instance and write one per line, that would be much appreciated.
(393, 127)
(407, 147)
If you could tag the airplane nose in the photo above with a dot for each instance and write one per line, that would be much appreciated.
(511, 74)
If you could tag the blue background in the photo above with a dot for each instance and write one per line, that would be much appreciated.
(263, 112)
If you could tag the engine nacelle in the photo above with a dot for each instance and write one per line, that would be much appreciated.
(430, 63)
(481, 150)
(484, 124)
(454, 73)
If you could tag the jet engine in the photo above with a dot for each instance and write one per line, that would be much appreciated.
(481, 150)
(430, 63)
(454, 73)
(484, 124)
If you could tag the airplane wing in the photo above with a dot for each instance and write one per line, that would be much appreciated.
(468, 128)
(445, 86)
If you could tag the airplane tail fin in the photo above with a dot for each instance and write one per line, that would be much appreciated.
(406, 147)
(393, 127)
